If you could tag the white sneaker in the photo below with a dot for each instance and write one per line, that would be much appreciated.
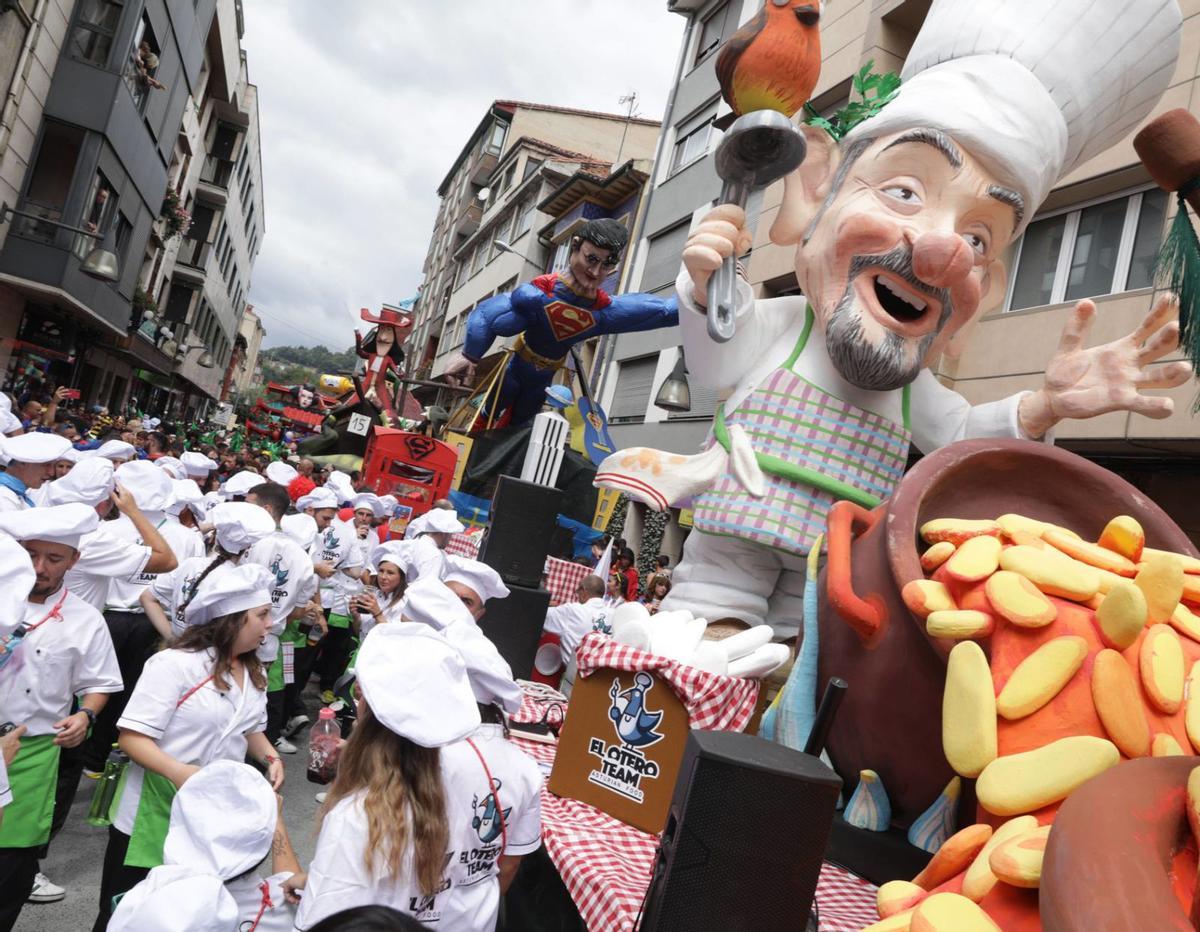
(44, 891)
(295, 723)
(320, 797)
(283, 746)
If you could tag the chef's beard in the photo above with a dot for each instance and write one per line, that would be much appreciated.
(885, 366)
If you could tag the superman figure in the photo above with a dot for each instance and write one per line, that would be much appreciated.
(551, 314)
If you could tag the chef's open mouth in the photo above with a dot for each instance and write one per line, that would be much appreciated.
(899, 300)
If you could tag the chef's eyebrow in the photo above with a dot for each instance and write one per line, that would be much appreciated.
(1010, 197)
(931, 137)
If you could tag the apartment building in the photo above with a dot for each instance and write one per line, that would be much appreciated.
(1095, 236)
(121, 109)
(518, 155)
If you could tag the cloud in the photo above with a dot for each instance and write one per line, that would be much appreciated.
(363, 114)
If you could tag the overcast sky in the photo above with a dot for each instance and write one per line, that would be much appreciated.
(364, 106)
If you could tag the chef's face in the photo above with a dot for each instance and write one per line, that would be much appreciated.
(50, 564)
(901, 246)
(469, 597)
(388, 578)
(363, 517)
(254, 630)
(323, 517)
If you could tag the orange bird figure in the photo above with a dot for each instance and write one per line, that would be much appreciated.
(774, 60)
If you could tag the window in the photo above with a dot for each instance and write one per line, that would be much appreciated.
(124, 235)
(508, 177)
(477, 257)
(495, 141)
(634, 382)
(99, 210)
(1098, 249)
(712, 30)
(142, 66)
(50, 178)
(460, 272)
(693, 139)
(662, 257)
(524, 218)
(95, 26)
(561, 255)
(531, 166)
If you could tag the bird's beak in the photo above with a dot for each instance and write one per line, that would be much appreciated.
(808, 14)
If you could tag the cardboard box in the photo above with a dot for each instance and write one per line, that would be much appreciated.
(621, 745)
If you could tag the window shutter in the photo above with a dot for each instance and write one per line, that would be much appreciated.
(635, 381)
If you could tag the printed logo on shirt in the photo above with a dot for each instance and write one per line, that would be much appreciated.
(488, 822)
(185, 594)
(281, 578)
(424, 908)
(601, 624)
(623, 766)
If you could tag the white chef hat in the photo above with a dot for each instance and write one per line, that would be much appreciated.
(281, 472)
(341, 486)
(116, 450)
(176, 898)
(429, 602)
(368, 500)
(185, 494)
(71, 455)
(439, 521)
(416, 685)
(59, 524)
(480, 578)
(150, 486)
(389, 503)
(90, 481)
(396, 552)
(172, 466)
(1034, 89)
(35, 447)
(211, 501)
(241, 482)
(490, 675)
(300, 528)
(197, 464)
(16, 581)
(228, 844)
(318, 498)
(243, 587)
(9, 422)
(240, 525)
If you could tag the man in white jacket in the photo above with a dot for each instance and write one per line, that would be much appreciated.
(899, 233)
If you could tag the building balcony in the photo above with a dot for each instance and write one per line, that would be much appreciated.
(213, 186)
(485, 163)
(191, 262)
(467, 221)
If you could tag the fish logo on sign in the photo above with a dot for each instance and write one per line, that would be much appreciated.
(488, 821)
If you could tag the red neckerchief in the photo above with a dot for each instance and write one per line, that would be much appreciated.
(55, 612)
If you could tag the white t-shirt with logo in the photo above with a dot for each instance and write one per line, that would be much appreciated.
(104, 556)
(295, 583)
(469, 895)
(173, 589)
(336, 545)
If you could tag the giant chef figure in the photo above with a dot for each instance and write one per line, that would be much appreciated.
(899, 232)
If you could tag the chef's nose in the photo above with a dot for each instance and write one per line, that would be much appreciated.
(941, 259)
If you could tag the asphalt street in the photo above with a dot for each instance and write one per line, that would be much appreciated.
(77, 852)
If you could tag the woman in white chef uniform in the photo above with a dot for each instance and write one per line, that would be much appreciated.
(239, 526)
(202, 700)
(393, 569)
(407, 792)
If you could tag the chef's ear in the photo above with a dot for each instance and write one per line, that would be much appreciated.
(804, 189)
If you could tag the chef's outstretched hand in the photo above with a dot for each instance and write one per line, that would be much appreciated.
(294, 886)
(722, 233)
(1085, 382)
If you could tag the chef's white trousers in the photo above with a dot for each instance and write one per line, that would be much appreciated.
(725, 577)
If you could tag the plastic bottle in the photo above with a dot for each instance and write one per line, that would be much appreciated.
(324, 748)
(108, 787)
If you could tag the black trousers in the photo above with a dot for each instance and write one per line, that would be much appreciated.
(18, 867)
(134, 640)
(116, 877)
(275, 708)
(336, 648)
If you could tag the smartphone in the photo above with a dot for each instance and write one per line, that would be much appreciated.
(72, 394)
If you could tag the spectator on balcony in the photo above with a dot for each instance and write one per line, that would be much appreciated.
(146, 64)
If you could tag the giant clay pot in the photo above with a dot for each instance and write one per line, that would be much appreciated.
(890, 719)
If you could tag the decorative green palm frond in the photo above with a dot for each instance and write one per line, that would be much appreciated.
(875, 91)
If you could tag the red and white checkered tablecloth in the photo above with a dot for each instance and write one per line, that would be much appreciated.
(606, 864)
(466, 544)
(563, 578)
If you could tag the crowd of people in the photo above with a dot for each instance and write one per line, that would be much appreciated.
(165, 598)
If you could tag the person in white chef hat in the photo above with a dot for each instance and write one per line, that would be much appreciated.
(60, 651)
(223, 822)
(237, 485)
(202, 699)
(16, 580)
(430, 535)
(118, 451)
(473, 582)
(407, 777)
(392, 567)
(901, 232)
(29, 461)
(281, 472)
(197, 466)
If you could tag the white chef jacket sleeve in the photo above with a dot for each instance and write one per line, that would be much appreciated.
(6, 796)
(155, 697)
(163, 586)
(940, 415)
(98, 670)
(525, 820)
(104, 554)
(337, 876)
(722, 366)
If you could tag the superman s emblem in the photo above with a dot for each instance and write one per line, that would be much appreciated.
(567, 320)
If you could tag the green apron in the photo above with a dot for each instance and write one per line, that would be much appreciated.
(151, 822)
(32, 776)
(275, 672)
(339, 621)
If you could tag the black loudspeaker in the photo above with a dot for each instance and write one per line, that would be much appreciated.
(523, 518)
(515, 624)
(744, 839)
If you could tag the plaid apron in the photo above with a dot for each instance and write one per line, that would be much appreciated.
(814, 449)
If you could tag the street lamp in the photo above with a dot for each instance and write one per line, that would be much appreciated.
(99, 263)
(674, 393)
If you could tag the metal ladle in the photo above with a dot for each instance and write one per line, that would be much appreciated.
(759, 148)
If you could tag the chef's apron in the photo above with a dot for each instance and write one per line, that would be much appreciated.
(814, 449)
(153, 816)
(32, 776)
